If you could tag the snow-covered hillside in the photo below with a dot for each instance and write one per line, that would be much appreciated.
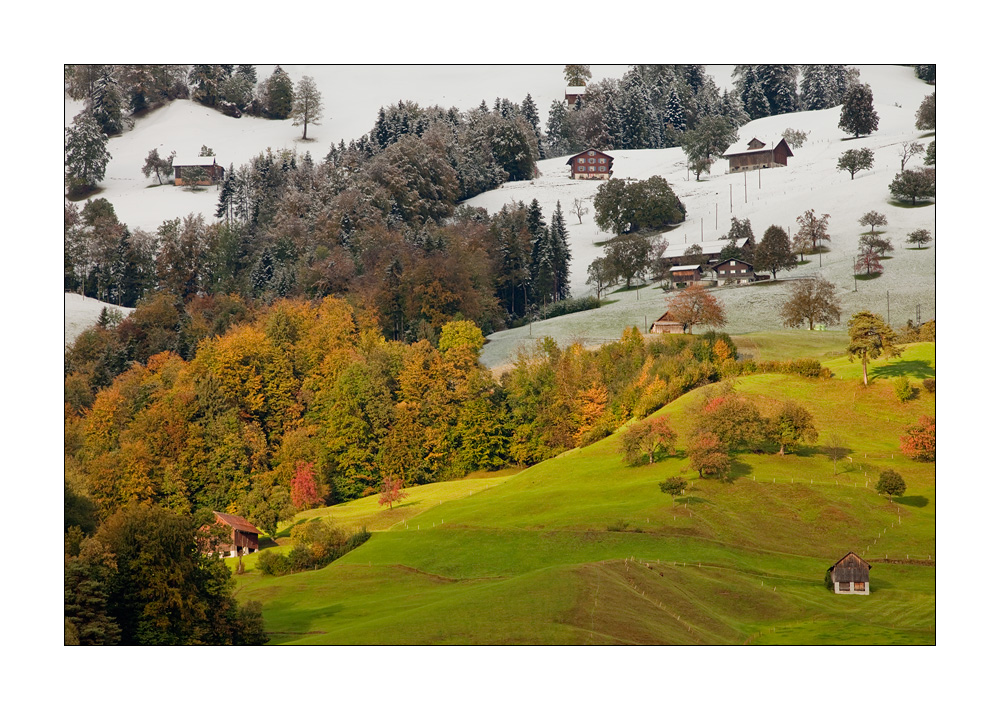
(352, 96)
(82, 312)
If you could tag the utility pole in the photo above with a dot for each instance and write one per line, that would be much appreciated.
(887, 308)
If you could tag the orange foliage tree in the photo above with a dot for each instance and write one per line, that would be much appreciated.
(696, 306)
(919, 442)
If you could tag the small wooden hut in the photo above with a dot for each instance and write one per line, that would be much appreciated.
(684, 275)
(758, 155)
(849, 575)
(245, 535)
(185, 166)
(665, 325)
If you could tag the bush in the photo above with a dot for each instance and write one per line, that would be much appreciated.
(272, 564)
(920, 440)
(903, 389)
(929, 384)
(890, 484)
(317, 544)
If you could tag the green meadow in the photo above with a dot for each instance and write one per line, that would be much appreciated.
(583, 549)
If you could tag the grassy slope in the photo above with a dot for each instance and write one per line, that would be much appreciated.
(532, 560)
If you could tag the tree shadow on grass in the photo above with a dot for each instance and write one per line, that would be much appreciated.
(740, 470)
(693, 500)
(909, 205)
(921, 369)
(912, 501)
(866, 277)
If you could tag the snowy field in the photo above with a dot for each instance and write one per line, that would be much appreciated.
(82, 312)
(353, 95)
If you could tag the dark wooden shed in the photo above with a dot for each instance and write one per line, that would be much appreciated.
(850, 575)
(758, 155)
(245, 535)
(184, 166)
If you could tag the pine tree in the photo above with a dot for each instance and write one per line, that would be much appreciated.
(279, 94)
(562, 256)
(108, 102)
(530, 113)
(86, 152)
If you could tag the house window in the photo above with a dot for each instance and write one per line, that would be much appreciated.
(590, 152)
(591, 168)
(602, 168)
(859, 586)
(601, 160)
(743, 271)
(845, 586)
(581, 160)
(591, 160)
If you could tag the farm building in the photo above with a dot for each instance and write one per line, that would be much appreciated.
(575, 92)
(590, 165)
(244, 539)
(664, 325)
(685, 275)
(758, 155)
(183, 166)
(734, 271)
(849, 575)
(710, 250)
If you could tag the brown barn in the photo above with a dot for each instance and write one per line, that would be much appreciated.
(849, 575)
(575, 92)
(685, 274)
(734, 271)
(590, 165)
(665, 325)
(182, 166)
(244, 539)
(758, 155)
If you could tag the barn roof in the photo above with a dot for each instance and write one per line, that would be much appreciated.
(586, 152)
(850, 568)
(190, 161)
(714, 246)
(235, 521)
(686, 267)
(663, 319)
(734, 150)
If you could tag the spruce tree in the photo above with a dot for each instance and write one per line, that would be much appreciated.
(562, 256)
(279, 93)
(86, 152)
(858, 115)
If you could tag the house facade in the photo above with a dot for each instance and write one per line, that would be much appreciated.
(758, 155)
(575, 92)
(685, 274)
(734, 271)
(244, 539)
(590, 165)
(850, 575)
(183, 166)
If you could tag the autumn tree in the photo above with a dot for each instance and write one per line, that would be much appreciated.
(870, 338)
(792, 423)
(868, 261)
(734, 419)
(673, 486)
(811, 301)
(709, 456)
(576, 74)
(813, 228)
(920, 237)
(919, 442)
(880, 245)
(696, 306)
(855, 160)
(890, 484)
(873, 219)
(392, 491)
(306, 486)
(307, 105)
(641, 441)
(774, 252)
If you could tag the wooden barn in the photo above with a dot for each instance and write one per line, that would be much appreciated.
(575, 92)
(244, 539)
(849, 575)
(758, 155)
(684, 275)
(734, 271)
(711, 250)
(590, 165)
(664, 325)
(183, 166)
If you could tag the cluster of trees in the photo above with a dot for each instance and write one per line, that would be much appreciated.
(304, 403)
(315, 543)
(140, 578)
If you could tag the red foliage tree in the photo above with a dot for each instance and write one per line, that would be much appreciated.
(919, 442)
(306, 489)
(392, 491)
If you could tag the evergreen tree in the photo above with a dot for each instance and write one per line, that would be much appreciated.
(858, 115)
(636, 123)
(108, 102)
(86, 152)
(530, 113)
(562, 256)
(279, 94)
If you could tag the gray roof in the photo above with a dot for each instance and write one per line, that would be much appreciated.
(186, 160)
(687, 267)
(714, 246)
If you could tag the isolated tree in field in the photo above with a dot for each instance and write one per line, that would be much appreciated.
(920, 440)
(855, 160)
(696, 306)
(880, 245)
(908, 151)
(793, 423)
(640, 443)
(86, 152)
(890, 484)
(709, 456)
(307, 105)
(870, 339)
(735, 420)
(392, 491)
(927, 113)
(156, 164)
(600, 275)
(278, 94)
(913, 185)
(812, 301)
(920, 237)
(708, 141)
(621, 207)
(579, 208)
(873, 219)
(774, 252)
(801, 245)
(813, 227)
(576, 74)
(858, 115)
(794, 138)
(673, 486)
(629, 256)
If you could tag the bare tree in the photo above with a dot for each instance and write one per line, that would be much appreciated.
(579, 208)
(908, 151)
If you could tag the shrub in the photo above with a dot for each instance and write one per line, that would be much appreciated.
(890, 484)
(929, 384)
(272, 564)
(903, 389)
(920, 440)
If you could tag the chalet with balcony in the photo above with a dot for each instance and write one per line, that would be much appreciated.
(590, 165)
(734, 271)
(849, 575)
(757, 155)
(184, 166)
